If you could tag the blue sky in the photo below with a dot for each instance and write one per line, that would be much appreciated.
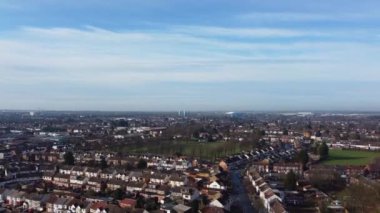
(195, 55)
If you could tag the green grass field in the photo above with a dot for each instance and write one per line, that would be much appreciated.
(350, 157)
(209, 151)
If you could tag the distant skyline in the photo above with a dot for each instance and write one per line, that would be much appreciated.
(123, 55)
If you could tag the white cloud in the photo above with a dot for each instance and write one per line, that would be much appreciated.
(306, 17)
(244, 32)
(181, 54)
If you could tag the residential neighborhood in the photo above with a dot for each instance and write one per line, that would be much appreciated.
(251, 163)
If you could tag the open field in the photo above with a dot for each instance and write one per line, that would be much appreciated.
(350, 157)
(210, 150)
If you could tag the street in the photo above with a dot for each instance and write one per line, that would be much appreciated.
(239, 197)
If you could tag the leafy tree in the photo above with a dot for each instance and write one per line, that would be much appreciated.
(140, 201)
(204, 200)
(91, 163)
(303, 157)
(356, 136)
(18, 186)
(285, 132)
(290, 180)
(314, 148)
(69, 158)
(118, 194)
(259, 205)
(52, 129)
(194, 206)
(151, 204)
(262, 132)
(103, 186)
(90, 193)
(236, 208)
(323, 207)
(328, 180)
(142, 164)
(323, 150)
(129, 167)
(103, 163)
(361, 198)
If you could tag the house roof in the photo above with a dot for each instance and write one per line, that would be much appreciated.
(159, 176)
(92, 169)
(176, 189)
(181, 208)
(264, 187)
(61, 201)
(65, 167)
(212, 209)
(108, 171)
(289, 164)
(16, 193)
(48, 174)
(34, 197)
(269, 193)
(136, 174)
(95, 179)
(62, 176)
(45, 198)
(177, 178)
(77, 202)
(164, 187)
(99, 205)
(47, 167)
(158, 211)
(277, 207)
(259, 182)
(116, 182)
(51, 199)
(78, 169)
(7, 192)
(135, 184)
(127, 202)
(216, 203)
(214, 193)
(115, 209)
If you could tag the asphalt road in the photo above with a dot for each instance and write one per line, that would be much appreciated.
(239, 197)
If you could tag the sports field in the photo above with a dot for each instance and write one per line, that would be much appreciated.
(350, 157)
(209, 151)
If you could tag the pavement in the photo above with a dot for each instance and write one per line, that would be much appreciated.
(239, 196)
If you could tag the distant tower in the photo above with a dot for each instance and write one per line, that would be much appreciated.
(182, 113)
